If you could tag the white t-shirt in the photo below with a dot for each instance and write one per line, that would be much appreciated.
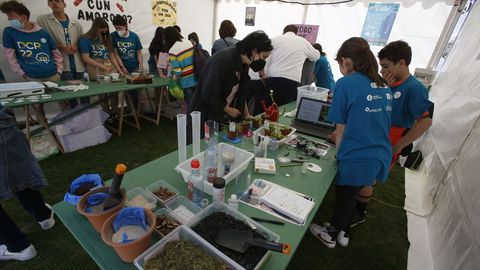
(289, 53)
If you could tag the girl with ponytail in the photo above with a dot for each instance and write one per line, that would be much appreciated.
(361, 109)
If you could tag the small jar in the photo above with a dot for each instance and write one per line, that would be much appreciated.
(218, 192)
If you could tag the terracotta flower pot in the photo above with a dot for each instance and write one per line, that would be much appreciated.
(97, 219)
(129, 251)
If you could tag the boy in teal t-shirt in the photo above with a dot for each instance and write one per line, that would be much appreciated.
(30, 50)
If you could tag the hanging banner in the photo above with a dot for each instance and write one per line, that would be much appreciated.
(90, 9)
(250, 16)
(164, 13)
(379, 22)
(308, 31)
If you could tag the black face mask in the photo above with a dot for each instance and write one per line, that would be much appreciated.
(257, 65)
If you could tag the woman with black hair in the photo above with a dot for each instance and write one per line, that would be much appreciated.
(157, 46)
(222, 87)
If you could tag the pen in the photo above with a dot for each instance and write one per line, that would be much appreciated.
(268, 221)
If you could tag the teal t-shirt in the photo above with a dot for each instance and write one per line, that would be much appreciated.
(365, 110)
(127, 48)
(410, 102)
(323, 73)
(94, 48)
(33, 51)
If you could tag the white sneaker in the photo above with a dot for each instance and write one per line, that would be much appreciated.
(47, 223)
(342, 239)
(23, 255)
(322, 234)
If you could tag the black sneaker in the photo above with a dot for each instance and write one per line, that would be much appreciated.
(358, 219)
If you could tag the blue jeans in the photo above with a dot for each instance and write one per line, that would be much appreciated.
(68, 76)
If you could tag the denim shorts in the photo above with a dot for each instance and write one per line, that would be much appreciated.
(18, 167)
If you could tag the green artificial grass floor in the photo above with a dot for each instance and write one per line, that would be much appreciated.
(379, 243)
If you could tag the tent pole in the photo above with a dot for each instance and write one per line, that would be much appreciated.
(215, 20)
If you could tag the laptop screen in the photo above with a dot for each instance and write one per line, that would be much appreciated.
(313, 111)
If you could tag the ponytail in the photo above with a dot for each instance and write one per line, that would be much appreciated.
(358, 50)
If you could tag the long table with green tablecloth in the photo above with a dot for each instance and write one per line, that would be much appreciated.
(94, 89)
(312, 184)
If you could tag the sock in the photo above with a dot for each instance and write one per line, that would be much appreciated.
(361, 208)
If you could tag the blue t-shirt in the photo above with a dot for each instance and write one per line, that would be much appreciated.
(68, 41)
(323, 73)
(33, 51)
(365, 111)
(410, 101)
(94, 48)
(127, 48)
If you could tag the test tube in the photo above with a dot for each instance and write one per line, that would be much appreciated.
(182, 137)
(196, 131)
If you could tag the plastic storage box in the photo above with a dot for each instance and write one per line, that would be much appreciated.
(242, 158)
(160, 183)
(141, 198)
(168, 213)
(274, 142)
(311, 92)
(183, 209)
(183, 233)
(269, 235)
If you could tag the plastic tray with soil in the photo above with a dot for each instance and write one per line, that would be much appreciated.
(180, 255)
(209, 227)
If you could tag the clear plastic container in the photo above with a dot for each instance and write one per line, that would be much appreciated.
(274, 142)
(183, 233)
(183, 209)
(168, 213)
(269, 235)
(242, 158)
(141, 198)
(314, 92)
(162, 184)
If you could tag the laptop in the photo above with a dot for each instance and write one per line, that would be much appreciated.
(311, 118)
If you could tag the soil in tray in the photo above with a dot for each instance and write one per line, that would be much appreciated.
(84, 188)
(181, 255)
(163, 193)
(209, 227)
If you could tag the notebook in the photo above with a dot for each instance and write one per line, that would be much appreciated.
(311, 118)
(288, 203)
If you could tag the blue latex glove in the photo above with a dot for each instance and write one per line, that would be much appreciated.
(86, 178)
(97, 198)
(130, 216)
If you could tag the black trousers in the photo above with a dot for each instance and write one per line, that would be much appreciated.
(284, 90)
(10, 235)
(345, 205)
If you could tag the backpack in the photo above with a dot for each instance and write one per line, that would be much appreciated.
(200, 57)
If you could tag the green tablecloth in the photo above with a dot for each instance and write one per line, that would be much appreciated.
(94, 89)
(312, 184)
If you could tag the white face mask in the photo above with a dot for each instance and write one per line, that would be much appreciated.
(121, 33)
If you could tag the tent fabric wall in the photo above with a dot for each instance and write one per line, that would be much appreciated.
(418, 22)
(451, 149)
(197, 17)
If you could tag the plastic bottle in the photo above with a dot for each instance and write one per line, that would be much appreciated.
(218, 192)
(211, 163)
(195, 183)
(233, 202)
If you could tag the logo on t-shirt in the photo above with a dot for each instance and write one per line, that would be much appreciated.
(389, 96)
(397, 95)
(43, 40)
(369, 98)
(42, 57)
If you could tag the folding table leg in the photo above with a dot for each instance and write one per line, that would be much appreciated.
(27, 122)
(134, 112)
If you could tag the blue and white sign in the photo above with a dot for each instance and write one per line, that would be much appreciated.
(378, 23)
